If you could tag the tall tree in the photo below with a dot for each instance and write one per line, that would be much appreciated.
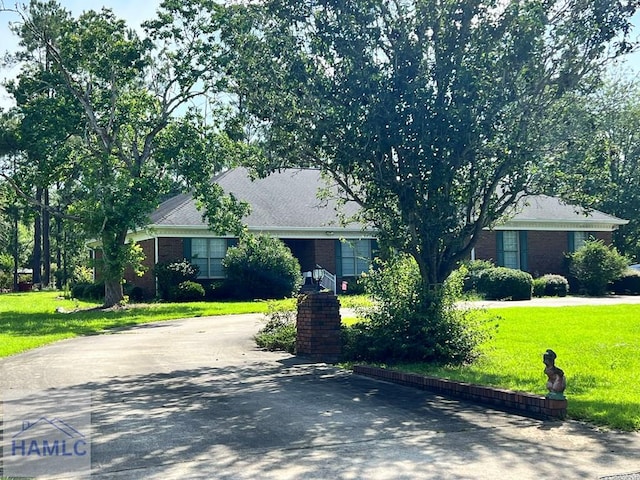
(129, 91)
(429, 114)
(598, 162)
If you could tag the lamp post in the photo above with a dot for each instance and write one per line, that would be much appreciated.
(317, 275)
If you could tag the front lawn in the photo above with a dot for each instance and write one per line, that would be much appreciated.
(598, 348)
(29, 320)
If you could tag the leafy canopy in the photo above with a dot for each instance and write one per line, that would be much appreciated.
(429, 114)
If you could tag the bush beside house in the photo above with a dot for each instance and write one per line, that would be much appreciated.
(627, 284)
(595, 265)
(261, 266)
(550, 286)
(505, 283)
(170, 275)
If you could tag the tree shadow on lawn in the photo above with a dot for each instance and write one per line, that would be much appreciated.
(83, 322)
(80, 323)
(301, 420)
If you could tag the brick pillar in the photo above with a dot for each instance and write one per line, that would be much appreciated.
(318, 324)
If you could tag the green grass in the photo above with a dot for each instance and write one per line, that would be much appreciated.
(354, 301)
(598, 348)
(30, 320)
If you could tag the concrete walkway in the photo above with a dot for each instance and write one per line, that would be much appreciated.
(568, 301)
(194, 399)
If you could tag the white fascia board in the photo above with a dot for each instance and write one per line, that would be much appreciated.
(566, 226)
(279, 232)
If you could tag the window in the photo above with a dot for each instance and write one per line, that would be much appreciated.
(512, 249)
(207, 254)
(356, 257)
(577, 240)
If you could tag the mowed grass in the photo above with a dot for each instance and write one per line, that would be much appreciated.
(598, 348)
(30, 320)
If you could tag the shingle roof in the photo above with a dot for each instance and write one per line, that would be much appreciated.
(543, 208)
(286, 199)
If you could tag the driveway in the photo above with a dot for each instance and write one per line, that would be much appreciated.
(194, 399)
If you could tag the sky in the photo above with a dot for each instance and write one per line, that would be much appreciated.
(135, 12)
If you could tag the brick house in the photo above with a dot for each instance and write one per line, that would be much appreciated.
(286, 205)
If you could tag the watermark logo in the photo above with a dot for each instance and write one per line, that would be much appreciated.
(46, 434)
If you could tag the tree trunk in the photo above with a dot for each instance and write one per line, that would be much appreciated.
(16, 250)
(61, 278)
(37, 241)
(46, 241)
(113, 254)
(113, 293)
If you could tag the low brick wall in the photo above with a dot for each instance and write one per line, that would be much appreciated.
(318, 325)
(525, 404)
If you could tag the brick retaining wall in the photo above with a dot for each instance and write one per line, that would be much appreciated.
(525, 404)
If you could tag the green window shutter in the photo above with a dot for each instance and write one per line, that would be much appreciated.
(524, 251)
(499, 248)
(186, 248)
(338, 258)
(232, 242)
(571, 242)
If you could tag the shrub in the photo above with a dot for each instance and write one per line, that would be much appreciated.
(135, 293)
(6, 280)
(412, 323)
(219, 290)
(6, 263)
(505, 283)
(88, 291)
(627, 284)
(189, 292)
(595, 265)
(355, 286)
(279, 333)
(82, 274)
(554, 285)
(538, 287)
(261, 266)
(472, 271)
(172, 274)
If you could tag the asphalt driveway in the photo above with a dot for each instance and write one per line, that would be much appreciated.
(194, 399)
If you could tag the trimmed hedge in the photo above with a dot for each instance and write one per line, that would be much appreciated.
(503, 283)
(88, 291)
(627, 284)
(189, 292)
(473, 270)
(550, 286)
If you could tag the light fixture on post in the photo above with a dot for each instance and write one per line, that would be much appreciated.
(317, 274)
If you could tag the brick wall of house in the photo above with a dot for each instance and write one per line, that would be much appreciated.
(170, 249)
(146, 281)
(546, 250)
(486, 246)
(325, 254)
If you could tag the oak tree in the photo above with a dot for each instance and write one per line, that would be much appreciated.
(132, 90)
(428, 113)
